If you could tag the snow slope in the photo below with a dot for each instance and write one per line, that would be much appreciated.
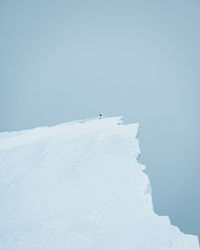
(78, 186)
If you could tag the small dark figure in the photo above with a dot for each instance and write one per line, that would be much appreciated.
(100, 116)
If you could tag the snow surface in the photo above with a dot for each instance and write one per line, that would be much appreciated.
(78, 186)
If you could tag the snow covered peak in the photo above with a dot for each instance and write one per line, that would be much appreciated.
(70, 130)
(78, 186)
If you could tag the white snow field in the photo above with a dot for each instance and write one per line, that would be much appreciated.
(78, 186)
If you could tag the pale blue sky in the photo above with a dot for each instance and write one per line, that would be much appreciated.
(66, 60)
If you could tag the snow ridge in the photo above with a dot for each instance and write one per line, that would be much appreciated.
(79, 186)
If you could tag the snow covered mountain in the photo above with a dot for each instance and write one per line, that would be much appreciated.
(78, 186)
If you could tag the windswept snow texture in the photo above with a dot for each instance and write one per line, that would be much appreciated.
(78, 186)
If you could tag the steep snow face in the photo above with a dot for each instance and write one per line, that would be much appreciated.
(78, 186)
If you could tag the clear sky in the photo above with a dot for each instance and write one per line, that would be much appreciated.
(66, 60)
